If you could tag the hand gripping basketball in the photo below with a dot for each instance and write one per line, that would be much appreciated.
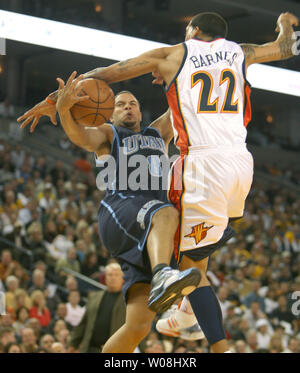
(68, 95)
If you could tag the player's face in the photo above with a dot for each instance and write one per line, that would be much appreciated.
(127, 111)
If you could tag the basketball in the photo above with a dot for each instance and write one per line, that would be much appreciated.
(98, 108)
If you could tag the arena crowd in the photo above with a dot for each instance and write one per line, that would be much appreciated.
(48, 222)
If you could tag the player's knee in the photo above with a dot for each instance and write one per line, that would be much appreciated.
(168, 215)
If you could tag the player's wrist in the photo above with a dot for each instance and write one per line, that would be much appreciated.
(50, 101)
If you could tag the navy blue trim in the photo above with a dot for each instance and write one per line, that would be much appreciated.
(114, 216)
(181, 212)
(157, 130)
(182, 118)
(180, 67)
(116, 137)
(244, 71)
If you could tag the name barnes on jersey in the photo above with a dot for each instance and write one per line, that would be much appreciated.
(209, 59)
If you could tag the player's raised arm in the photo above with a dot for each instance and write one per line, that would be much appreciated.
(90, 139)
(156, 59)
(280, 49)
(164, 125)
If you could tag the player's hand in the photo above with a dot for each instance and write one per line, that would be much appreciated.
(68, 94)
(288, 17)
(158, 78)
(34, 114)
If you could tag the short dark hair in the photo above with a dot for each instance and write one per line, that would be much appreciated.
(211, 24)
(130, 93)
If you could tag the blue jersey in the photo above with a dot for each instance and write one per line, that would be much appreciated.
(138, 163)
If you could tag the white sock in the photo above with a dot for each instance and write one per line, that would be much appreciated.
(186, 306)
(185, 315)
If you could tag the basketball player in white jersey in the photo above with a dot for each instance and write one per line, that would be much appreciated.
(208, 96)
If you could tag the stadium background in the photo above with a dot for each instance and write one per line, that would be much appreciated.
(262, 264)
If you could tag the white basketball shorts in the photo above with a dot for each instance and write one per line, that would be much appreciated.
(208, 186)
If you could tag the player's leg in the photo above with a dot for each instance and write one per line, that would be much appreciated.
(167, 284)
(160, 241)
(138, 322)
(206, 307)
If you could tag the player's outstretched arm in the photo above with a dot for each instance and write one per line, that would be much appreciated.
(280, 49)
(90, 139)
(156, 59)
(164, 125)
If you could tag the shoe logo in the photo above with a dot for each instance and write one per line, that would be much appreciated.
(170, 297)
(199, 232)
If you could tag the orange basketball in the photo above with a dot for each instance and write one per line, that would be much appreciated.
(98, 108)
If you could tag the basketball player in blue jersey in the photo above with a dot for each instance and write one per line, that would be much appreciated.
(208, 96)
(137, 226)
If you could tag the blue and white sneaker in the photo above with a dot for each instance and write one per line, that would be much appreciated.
(169, 284)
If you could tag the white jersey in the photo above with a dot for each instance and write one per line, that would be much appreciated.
(209, 96)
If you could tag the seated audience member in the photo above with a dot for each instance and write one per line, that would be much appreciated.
(39, 310)
(74, 310)
(28, 340)
(22, 315)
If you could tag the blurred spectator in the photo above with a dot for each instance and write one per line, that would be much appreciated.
(7, 336)
(156, 346)
(282, 313)
(7, 110)
(38, 281)
(82, 164)
(58, 327)
(35, 242)
(46, 342)
(222, 297)
(275, 345)
(22, 316)
(70, 262)
(254, 296)
(57, 348)
(90, 266)
(18, 156)
(251, 340)
(21, 299)
(264, 333)
(240, 347)
(60, 314)
(63, 242)
(39, 310)
(105, 313)
(12, 284)
(63, 337)
(293, 346)
(64, 142)
(28, 340)
(74, 310)
(47, 199)
(58, 172)
(253, 314)
(41, 166)
(35, 325)
(7, 264)
(29, 213)
(12, 348)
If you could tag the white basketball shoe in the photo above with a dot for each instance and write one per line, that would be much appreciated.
(180, 324)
